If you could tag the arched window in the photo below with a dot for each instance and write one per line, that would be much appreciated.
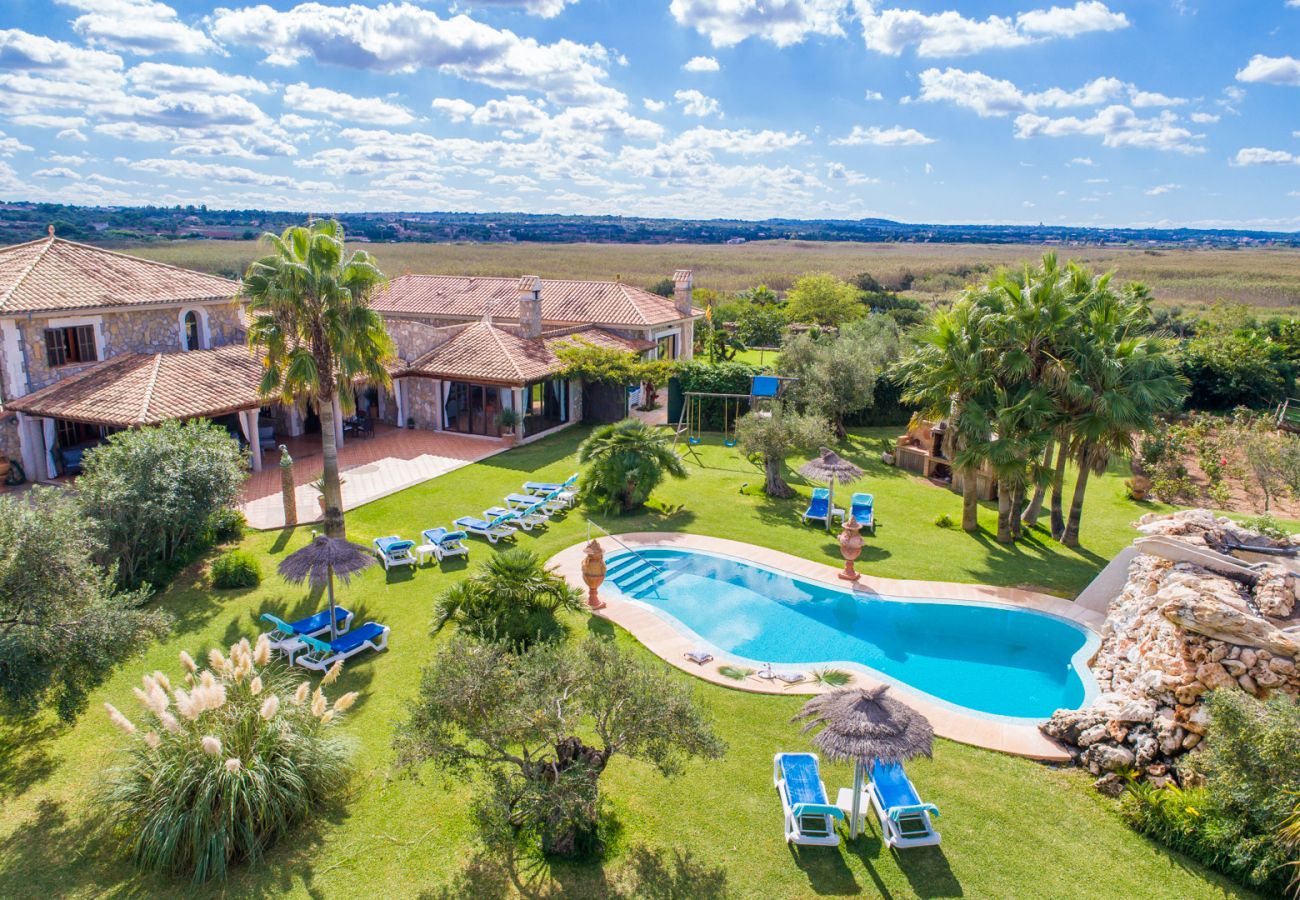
(192, 339)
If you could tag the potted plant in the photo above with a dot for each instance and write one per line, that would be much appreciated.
(319, 487)
(886, 451)
(410, 422)
(508, 420)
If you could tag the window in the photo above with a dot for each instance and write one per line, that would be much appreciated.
(192, 331)
(668, 346)
(546, 405)
(75, 434)
(68, 346)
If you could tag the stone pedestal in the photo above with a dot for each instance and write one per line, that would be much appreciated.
(593, 573)
(850, 548)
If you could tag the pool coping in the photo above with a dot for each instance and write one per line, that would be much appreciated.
(664, 640)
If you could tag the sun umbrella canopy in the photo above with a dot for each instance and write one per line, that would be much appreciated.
(830, 466)
(863, 725)
(323, 557)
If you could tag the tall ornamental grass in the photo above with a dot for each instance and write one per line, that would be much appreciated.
(222, 766)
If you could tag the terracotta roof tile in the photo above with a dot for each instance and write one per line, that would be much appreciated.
(483, 352)
(610, 303)
(53, 274)
(148, 388)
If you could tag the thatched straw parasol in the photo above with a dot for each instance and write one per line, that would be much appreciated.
(864, 725)
(830, 467)
(320, 561)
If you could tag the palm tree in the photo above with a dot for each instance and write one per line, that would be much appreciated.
(627, 461)
(948, 376)
(311, 316)
(512, 597)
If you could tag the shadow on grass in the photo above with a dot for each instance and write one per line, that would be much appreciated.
(648, 874)
(826, 870)
(27, 760)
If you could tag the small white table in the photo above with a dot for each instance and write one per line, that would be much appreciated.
(845, 802)
(425, 551)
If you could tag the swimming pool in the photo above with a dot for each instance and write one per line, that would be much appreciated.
(995, 660)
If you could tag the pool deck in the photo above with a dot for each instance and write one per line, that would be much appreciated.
(666, 641)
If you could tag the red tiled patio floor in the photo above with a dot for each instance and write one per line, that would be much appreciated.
(375, 467)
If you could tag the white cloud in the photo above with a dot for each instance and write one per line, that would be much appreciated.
(183, 111)
(67, 160)
(515, 114)
(873, 96)
(182, 168)
(702, 64)
(39, 120)
(654, 106)
(158, 78)
(10, 145)
(1271, 70)
(989, 96)
(547, 9)
(1262, 156)
(783, 22)
(696, 104)
(1204, 118)
(950, 33)
(1161, 189)
(1117, 126)
(454, 108)
(303, 98)
(839, 172)
(26, 52)
(402, 37)
(143, 27)
(1082, 161)
(896, 136)
(739, 141)
(57, 172)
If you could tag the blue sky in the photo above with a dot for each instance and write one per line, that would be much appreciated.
(1096, 112)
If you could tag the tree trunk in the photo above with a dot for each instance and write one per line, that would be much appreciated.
(1017, 504)
(1071, 536)
(1058, 491)
(775, 485)
(334, 526)
(970, 501)
(288, 489)
(1040, 491)
(1005, 513)
(840, 431)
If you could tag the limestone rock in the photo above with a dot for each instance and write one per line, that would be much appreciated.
(1206, 614)
(1110, 784)
(1107, 758)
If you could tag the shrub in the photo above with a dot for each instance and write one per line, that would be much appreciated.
(760, 325)
(150, 495)
(226, 525)
(1237, 369)
(625, 463)
(1237, 822)
(225, 765)
(511, 598)
(236, 569)
(944, 521)
(1269, 526)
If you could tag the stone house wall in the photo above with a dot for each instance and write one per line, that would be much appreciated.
(422, 400)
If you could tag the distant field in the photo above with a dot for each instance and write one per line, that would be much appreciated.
(1268, 279)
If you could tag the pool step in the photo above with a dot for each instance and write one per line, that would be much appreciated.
(633, 575)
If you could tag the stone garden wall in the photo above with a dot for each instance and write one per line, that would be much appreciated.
(1176, 632)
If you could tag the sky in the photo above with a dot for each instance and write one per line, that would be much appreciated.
(1104, 112)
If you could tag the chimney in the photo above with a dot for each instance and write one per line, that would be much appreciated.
(683, 281)
(530, 305)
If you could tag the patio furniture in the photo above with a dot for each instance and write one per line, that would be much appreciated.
(809, 816)
(286, 635)
(321, 655)
(551, 503)
(266, 436)
(492, 529)
(567, 492)
(819, 507)
(904, 820)
(528, 517)
(699, 657)
(863, 510)
(393, 551)
(446, 543)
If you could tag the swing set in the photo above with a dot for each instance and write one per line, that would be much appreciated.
(762, 389)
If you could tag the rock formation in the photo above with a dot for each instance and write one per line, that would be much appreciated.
(1176, 632)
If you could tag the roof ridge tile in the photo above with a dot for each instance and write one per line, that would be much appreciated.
(149, 387)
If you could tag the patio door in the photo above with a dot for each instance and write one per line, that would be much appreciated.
(473, 408)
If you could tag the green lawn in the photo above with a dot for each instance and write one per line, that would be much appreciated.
(1011, 827)
(758, 357)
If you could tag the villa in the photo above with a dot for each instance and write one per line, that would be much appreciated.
(93, 341)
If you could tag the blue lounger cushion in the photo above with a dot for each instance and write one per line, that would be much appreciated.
(394, 545)
(443, 536)
(474, 522)
(896, 791)
(803, 780)
(350, 641)
(312, 624)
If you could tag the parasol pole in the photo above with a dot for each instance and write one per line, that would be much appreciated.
(334, 635)
(857, 798)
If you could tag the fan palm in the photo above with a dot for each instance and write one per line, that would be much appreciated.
(310, 314)
(512, 597)
(627, 460)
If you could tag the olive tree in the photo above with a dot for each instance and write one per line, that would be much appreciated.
(837, 378)
(538, 728)
(63, 623)
(776, 433)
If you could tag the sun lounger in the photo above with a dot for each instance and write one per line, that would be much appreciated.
(809, 815)
(320, 655)
(286, 635)
(699, 657)
(446, 543)
(904, 820)
(819, 506)
(863, 509)
(493, 529)
(567, 488)
(551, 503)
(393, 551)
(528, 517)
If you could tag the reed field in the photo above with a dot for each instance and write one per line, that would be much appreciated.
(1266, 278)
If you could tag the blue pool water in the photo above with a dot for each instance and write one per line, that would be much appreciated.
(995, 660)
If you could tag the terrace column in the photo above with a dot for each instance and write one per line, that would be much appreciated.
(248, 421)
(683, 287)
(517, 398)
(398, 400)
(29, 446)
